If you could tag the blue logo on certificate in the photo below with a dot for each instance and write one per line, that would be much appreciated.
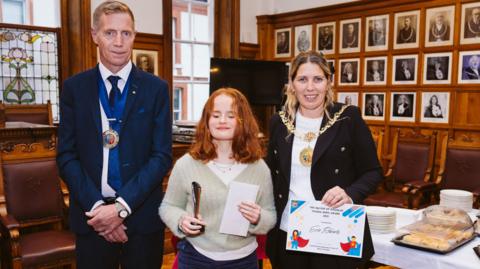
(314, 227)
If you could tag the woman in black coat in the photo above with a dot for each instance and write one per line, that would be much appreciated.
(318, 150)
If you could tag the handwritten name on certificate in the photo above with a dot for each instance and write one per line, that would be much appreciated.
(314, 227)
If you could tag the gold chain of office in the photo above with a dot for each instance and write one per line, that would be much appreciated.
(306, 153)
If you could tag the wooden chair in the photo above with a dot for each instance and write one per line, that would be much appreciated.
(34, 113)
(377, 135)
(33, 234)
(408, 178)
(460, 166)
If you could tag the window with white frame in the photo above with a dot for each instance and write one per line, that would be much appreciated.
(14, 11)
(192, 29)
(177, 103)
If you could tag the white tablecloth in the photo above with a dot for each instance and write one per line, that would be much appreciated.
(387, 252)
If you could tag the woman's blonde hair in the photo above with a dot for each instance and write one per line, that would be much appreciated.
(291, 104)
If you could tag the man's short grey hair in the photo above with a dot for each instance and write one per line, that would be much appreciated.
(111, 7)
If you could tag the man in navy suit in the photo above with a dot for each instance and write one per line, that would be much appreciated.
(114, 148)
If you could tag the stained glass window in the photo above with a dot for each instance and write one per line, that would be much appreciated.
(29, 65)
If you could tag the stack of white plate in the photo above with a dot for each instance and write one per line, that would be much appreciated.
(381, 219)
(457, 199)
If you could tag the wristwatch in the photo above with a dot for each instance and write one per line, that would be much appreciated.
(121, 210)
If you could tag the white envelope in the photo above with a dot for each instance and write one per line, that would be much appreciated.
(232, 221)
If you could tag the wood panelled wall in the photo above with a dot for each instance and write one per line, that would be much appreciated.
(464, 114)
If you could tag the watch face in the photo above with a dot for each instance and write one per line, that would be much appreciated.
(123, 213)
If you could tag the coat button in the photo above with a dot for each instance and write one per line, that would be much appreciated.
(277, 172)
(280, 196)
(274, 151)
(337, 170)
(342, 149)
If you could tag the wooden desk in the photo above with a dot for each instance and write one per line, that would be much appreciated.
(16, 132)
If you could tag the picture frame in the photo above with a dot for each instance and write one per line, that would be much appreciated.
(377, 33)
(375, 71)
(350, 35)
(326, 37)
(470, 24)
(437, 68)
(331, 65)
(349, 72)
(439, 25)
(435, 107)
(404, 69)
(373, 104)
(283, 42)
(348, 98)
(407, 29)
(303, 38)
(403, 106)
(146, 60)
(469, 67)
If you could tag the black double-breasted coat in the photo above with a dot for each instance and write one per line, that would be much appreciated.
(344, 156)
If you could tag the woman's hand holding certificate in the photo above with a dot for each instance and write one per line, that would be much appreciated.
(336, 197)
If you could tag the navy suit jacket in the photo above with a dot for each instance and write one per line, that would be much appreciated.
(145, 148)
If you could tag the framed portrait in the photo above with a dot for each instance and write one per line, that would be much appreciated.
(439, 26)
(437, 68)
(282, 41)
(326, 37)
(331, 65)
(407, 27)
(469, 67)
(435, 107)
(348, 98)
(375, 71)
(349, 72)
(404, 69)
(373, 105)
(402, 106)
(377, 33)
(303, 38)
(470, 25)
(146, 60)
(350, 35)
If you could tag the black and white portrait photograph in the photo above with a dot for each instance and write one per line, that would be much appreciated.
(437, 68)
(348, 98)
(350, 35)
(435, 107)
(303, 38)
(374, 105)
(146, 60)
(406, 29)
(375, 71)
(439, 26)
(331, 65)
(402, 106)
(349, 71)
(404, 69)
(326, 37)
(282, 41)
(470, 25)
(377, 33)
(469, 67)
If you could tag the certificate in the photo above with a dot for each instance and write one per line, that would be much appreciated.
(315, 227)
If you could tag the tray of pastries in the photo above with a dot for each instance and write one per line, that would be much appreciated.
(441, 230)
